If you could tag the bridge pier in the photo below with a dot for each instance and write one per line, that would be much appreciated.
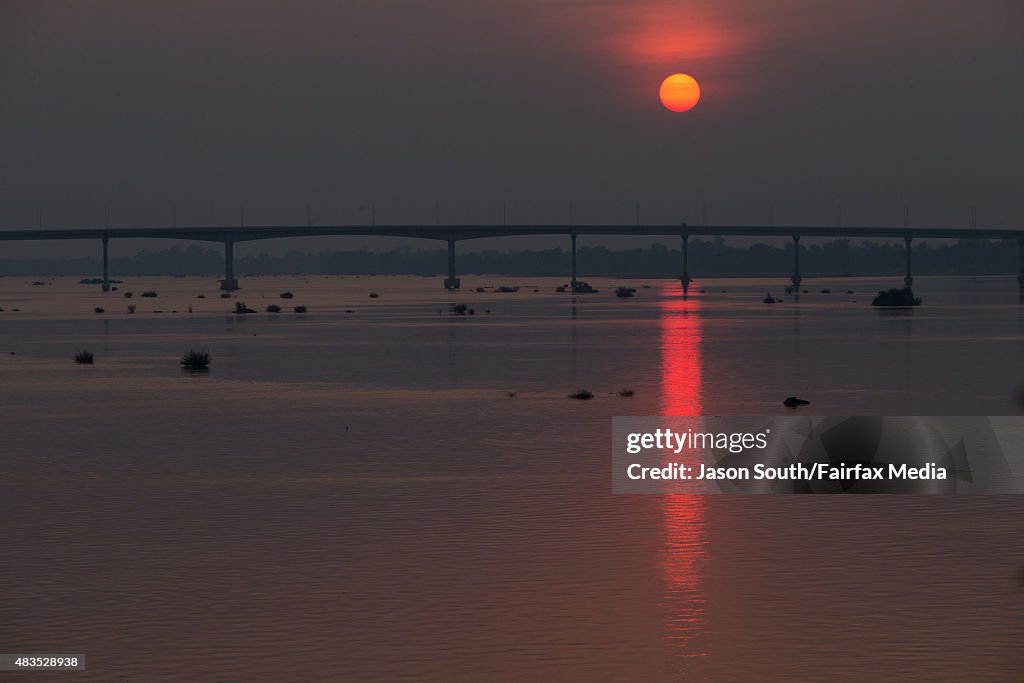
(1020, 270)
(106, 265)
(685, 277)
(572, 281)
(796, 279)
(229, 283)
(451, 282)
(908, 280)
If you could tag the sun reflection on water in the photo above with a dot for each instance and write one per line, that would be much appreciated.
(685, 535)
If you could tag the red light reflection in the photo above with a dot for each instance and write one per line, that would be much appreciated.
(685, 535)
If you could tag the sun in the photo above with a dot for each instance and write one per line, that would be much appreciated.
(680, 92)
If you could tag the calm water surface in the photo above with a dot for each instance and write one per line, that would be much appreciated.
(354, 495)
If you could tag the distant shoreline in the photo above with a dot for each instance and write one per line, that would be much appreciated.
(707, 258)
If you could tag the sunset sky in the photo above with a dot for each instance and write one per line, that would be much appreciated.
(458, 106)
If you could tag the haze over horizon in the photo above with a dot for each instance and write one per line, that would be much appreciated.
(452, 109)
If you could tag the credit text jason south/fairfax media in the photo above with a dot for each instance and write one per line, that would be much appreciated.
(819, 471)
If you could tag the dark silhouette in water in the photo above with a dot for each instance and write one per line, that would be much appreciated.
(196, 361)
(897, 297)
(793, 402)
(583, 288)
(84, 358)
(769, 299)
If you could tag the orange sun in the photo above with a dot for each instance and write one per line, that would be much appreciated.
(680, 92)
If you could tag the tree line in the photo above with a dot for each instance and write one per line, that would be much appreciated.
(707, 258)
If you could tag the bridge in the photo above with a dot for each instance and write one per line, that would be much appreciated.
(452, 234)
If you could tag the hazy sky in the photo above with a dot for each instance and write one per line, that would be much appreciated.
(458, 106)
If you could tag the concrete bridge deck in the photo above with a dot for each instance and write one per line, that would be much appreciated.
(467, 232)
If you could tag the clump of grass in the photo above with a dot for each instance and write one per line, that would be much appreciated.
(374, 295)
(897, 297)
(505, 289)
(300, 309)
(99, 309)
(625, 393)
(582, 395)
(131, 308)
(196, 361)
(480, 290)
(149, 295)
(84, 358)
(287, 295)
(273, 308)
(242, 309)
(460, 309)
(225, 295)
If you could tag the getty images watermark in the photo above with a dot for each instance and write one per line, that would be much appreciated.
(797, 454)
